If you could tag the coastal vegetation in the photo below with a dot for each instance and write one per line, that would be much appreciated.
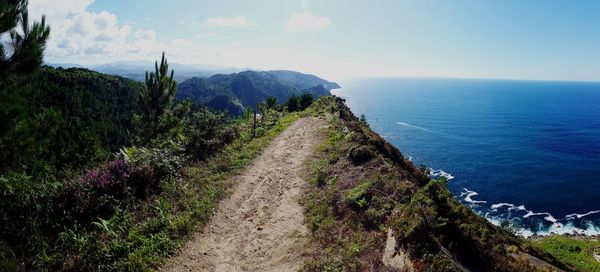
(361, 188)
(580, 252)
(103, 173)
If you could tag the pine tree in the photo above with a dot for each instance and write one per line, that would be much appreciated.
(20, 55)
(363, 119)
(161, 118)
(271, 103)
(293, 103)
(26, 44)
(9, 12)
(305, 101)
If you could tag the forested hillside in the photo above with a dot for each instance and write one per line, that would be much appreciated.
(303, 81)
(236, 92)
(68, 117)
(136, 69)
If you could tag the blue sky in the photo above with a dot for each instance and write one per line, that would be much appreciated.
(555, 40)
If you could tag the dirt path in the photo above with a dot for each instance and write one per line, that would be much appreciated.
(260, 227)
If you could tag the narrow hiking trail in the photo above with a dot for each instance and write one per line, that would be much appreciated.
(260, 227)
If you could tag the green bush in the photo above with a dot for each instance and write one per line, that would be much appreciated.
(363, 119)
(207, 133)
(7, 259)
(165, 161)
(298, 103)
(25, 204)
(98, 193)
(292, 104)
(269, 104)
(359, 195)
(305, 101)
(360, 154)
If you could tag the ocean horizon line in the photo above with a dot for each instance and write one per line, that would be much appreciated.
(471, 78)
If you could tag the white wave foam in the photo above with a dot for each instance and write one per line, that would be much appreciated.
(550, 218)
(547, 216)
(569, 228)
(519, 231)
(530, 214)
(525, 232)
(510, 207)
(556, 227)
(494, 220)
(468, 196)
(457, 137)
(579, 216)
(415, 127)
(500, 205)
(439, 173)
(409, 158)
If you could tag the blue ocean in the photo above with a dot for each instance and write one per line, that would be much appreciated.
(523, 152)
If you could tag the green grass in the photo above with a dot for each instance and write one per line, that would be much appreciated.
(577, 251)
(341, 244)
(140, 239)
(357, 194)
(183, 211)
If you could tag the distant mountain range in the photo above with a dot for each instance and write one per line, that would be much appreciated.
(238, 91)
(222, 88)
(303, 81)
(136, 70)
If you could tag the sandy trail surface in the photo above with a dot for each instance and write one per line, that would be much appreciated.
(260, 227)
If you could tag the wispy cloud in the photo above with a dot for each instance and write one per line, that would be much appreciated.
(206, 35)
(236, 21)
(306, 21)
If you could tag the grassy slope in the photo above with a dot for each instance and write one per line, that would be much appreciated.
(360, 186)
(206, 184)
(577, 251)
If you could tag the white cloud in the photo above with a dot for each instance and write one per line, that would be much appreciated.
(74, 31)
(238, 21)
(206, 35)
(86, 37)
(145, 34)
(306, 21)
(105, 20)
(89, 37)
